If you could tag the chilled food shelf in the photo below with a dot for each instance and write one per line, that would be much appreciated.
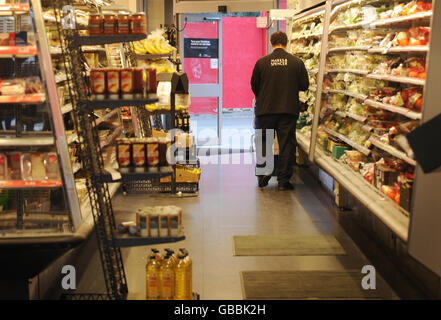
(18, 52)
(406, 80)
(399, 20)
(23, 99)
(127, 240)
(400, 110)
(103, 104)
(361, 72)
(391, 150)
(351, 48)
(354, 145)
(105, 39)
(350, 26)
(351, 115)
(402, 49)
(307, 36)
(30, 184)
(347, 93)
(303, 141)
(25, 141)
(384, 208)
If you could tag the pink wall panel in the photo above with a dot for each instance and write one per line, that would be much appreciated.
(203, 106)
(202, 30)
(243, 45)
(199, 70)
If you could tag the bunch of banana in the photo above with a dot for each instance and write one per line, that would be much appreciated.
(139, 48)
(154, 46)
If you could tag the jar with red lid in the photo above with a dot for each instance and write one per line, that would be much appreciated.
(123, 24)
(127, 83)
(98, 83)
(110, 23)
(95, 24)
(139, 83)
(139, 22)
(113, 83)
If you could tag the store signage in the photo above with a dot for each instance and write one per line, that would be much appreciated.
(201, 48)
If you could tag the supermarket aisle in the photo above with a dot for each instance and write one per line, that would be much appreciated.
(230, 204)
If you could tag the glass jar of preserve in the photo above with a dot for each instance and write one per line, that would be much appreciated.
(139, 22)
(123, 24)
(139, 83)
(123, 152)
(152, 147)
(95, 24)
(110, 23)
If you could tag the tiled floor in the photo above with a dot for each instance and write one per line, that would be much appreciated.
(230, 204)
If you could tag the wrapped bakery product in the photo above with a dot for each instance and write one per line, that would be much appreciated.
(51, 165)
(3, 167)
(38, 169)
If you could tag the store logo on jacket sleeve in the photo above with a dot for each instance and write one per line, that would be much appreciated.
(279, 62)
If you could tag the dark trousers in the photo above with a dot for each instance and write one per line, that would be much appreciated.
(285, 127)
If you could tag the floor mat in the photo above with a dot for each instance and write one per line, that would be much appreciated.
(279, 245)
(286, 285)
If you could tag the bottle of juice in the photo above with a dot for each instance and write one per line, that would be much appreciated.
(152, 277)
(167, 278)
(180, 279)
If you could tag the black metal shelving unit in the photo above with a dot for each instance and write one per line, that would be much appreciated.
(97, 179)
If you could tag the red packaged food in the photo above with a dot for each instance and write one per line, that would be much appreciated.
(3, 167)
(51, 165)
(139, 83)
(123, 150)
(127, 83)
(26, 166)
(419, 36)
(113, 83)
(110, 24)
(15, 165)
(151, 80)
(138, 153)
(98, 83)
(152, 153)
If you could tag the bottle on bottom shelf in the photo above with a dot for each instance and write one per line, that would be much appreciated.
(152, 275)
(169, 277)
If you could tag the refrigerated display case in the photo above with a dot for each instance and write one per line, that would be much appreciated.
(374, 84)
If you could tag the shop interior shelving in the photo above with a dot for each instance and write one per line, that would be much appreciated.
(85, 119)
(342, 102)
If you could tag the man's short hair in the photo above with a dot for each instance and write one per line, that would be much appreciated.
(279, 38)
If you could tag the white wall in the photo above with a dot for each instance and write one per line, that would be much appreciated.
(155, 14)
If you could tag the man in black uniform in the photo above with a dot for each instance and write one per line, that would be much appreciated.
(276, 81)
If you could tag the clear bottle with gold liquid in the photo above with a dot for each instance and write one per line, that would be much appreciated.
(167, 278)
(152, 277)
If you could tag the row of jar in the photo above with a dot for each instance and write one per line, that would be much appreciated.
(110, 23)
(142, 153)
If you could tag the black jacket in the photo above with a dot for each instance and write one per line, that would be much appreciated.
(276, 82)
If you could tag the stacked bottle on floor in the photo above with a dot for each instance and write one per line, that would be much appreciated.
(169, 276)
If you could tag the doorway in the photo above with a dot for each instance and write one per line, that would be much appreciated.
(218, 54)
